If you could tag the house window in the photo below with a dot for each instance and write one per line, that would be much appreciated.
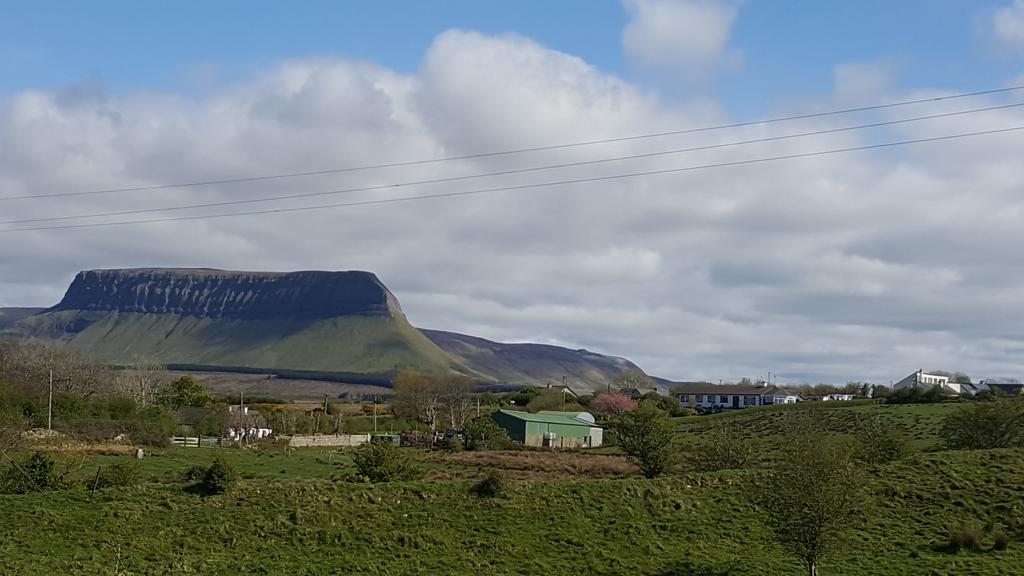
(723, 399)
(750, 400)
(700, 397)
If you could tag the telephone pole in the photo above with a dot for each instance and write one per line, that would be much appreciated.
(49, 405)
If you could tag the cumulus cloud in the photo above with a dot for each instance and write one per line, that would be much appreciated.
(1008, 26)
(687, 36)
(856, 266)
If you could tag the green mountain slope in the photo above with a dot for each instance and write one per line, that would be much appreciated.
(11, 316)
(534, 363)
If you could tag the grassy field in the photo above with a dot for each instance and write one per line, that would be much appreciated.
(565, 513)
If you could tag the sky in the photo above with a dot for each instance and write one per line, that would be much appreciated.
(862, 265)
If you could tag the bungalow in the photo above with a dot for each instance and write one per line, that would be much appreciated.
(926, 380)
(703, 395)
(550, 428)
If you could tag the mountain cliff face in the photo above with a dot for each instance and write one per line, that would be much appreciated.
(204, 293)
(314, 321)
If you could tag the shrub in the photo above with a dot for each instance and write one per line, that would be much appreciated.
(416, 439)
(966, 537)
(454, 444)
(482, 433)
(879, 443)
(36, 473)
(1000, 539)
(383, 462)
(119, 475)
(986, 425)
(219, 477)
(492, 486)
(723, 448)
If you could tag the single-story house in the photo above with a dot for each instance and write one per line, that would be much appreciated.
(926, 380)
(550, 428)
(565, 389)
(704, 395)
(244, 423)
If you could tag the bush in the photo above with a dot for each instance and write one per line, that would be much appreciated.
(119, 475)
(36, 473)
(383, 462)
(1000, 539)
(416, 439)
(986, 425)
(493, 486)
(880, 443)
(454, 444)
(218, 478)
(482, 433)
(723, 448)
(966, 537)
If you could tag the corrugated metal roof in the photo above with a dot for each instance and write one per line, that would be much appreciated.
(549, 417)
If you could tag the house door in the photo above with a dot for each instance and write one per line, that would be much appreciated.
(735, 401)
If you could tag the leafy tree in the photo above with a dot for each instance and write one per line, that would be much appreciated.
(185, 391)
(810, 497)
(383, 462)
(647, 438)
(998, 424)
(36, 472)
(483, 433)
(613, 404)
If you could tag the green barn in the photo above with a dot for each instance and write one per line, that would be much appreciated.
(550, 429)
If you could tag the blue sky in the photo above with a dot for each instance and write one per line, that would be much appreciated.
(787, 48)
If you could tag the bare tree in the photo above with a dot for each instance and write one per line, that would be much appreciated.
(457, 397)
(811, 496)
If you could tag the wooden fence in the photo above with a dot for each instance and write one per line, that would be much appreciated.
(199, 441)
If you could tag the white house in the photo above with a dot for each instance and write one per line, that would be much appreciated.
(837, 397)
(922, 379)
(728, 396)
(247, 424)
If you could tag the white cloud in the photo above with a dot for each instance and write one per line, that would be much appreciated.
(679, 36)
(1008, 26)
(853, 266)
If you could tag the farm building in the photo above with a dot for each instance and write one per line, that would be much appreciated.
(550, 428)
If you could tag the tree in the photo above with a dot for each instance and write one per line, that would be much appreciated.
(879, 442)
(185, 391)
(997, 424)
(613, 404)
(723, 448)
(810, 497)
(555, 399)
(383, 462)
(482, 433)
(417, 397)
(647, 438)
(635, 379)
(457, 398)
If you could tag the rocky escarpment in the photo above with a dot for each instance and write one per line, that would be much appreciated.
(220, 294)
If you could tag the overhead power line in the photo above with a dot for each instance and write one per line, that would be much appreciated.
(449, 179)
(530, 186)
(516, 150)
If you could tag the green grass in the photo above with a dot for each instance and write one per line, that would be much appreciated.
(294, 513)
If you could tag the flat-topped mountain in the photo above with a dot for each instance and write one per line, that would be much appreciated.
(344, 322)
(205, 293)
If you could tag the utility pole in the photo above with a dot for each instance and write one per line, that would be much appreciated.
(325, 404)
(374, 413)
(477, 405)
(49, 405)
(241, 409)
